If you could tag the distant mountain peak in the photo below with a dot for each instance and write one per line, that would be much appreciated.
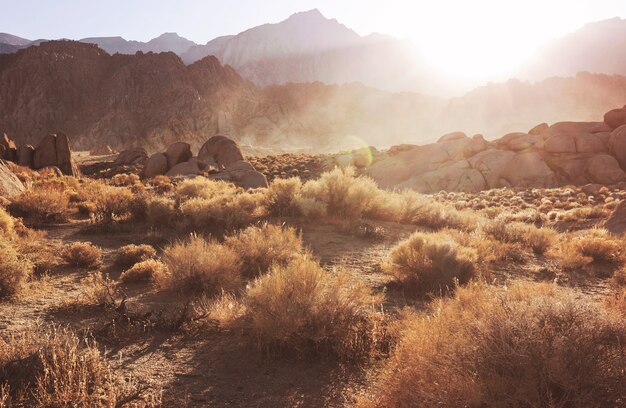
(313, 13)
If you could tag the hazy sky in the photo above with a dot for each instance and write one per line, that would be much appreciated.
(476, 33)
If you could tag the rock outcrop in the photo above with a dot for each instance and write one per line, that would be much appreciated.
(10, 185)
(548, 156)
(52, 151)
(219, 158)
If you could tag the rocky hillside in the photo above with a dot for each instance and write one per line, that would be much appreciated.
(152, 100)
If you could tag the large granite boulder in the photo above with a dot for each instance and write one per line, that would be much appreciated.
(244, 174)
(54, 150)
(178, 152)
(10, 185)
(156, 165)
(189, 168)
(615, 118)
(458, 176)
(222, 150)
(26, 156)
(131, 156)
(518, 141)
(616, 223)
(539, 130)
(103, 150)
(617, 145)
(8, 149)
(604, 169)
(452, 136)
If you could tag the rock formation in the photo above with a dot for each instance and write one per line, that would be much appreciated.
(10, 185)
(52, 151)
(219, 158)
(547, 156)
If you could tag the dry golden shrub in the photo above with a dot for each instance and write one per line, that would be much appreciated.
(201, 187)
(98, 289)
(221, 211)
(311, 208)
(226, 309)
(149, 270)
(41, 205)
(616, 301)
(125, 179)
(116, 204)
(128, 255)
(15, 270)
(282, 196)
(56, 368)
(431, 262)
(260, 247)
(525, 345)
(600, 245)
(200, 266)
(301, 307)
(160, 211)
(82, 254)
(538, 240)
(7, 224)
(343, 194)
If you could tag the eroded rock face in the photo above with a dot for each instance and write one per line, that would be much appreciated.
(8, 150)
(10, 185)
(244, 174)
(616, 223)
(184, 169)
(617, 145)
(604, 169)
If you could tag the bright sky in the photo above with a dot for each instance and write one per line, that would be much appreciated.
(473, 37)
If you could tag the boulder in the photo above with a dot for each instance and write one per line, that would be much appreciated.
(8, 149)
(591, 189)
(244, 174)
(604, 169)
(184, 169)
(458, 176)
(64, 155)
(221, 149)
(560, 143)
(617, 145)
(26, 156)
(592, 142)
(615, 118)
(616, 223)
(131, 156)
(574, 128)
(177, 153)
(45, 152)
(156, 165)
(10, 185)
(539, 129)
(503, 168)
(452, 136)
(517, 141)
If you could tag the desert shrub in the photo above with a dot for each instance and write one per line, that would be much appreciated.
(260, 247)
(162, 184)
(129, 255)
(145, 271)
(226, 309)
(301, 307)
(82, 254)
(160, 211)
(57, 368)
(125, 179)
(14, 269)
(528, 345)
(282, 196)
(7, 224)
(616, 301)
(431, 262)
(342, 193)
(536, 239)
(221, 211)
(98, 289)
(600, 245)
(201, 267)
(311, 208)
(115, 204)
(200, 187)
(45, 205)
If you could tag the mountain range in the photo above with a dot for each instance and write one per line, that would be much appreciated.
(154, 99)
(309, 47)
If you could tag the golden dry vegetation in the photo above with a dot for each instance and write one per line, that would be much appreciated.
(318, 291)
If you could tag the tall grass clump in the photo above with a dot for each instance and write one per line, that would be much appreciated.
(529, 345)
(302, 308)
(200, 266)
(282, 196)
(259, 247)
(57, 368)
(15, 270)
(431, 262)
(538, 240)
(41, 205)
